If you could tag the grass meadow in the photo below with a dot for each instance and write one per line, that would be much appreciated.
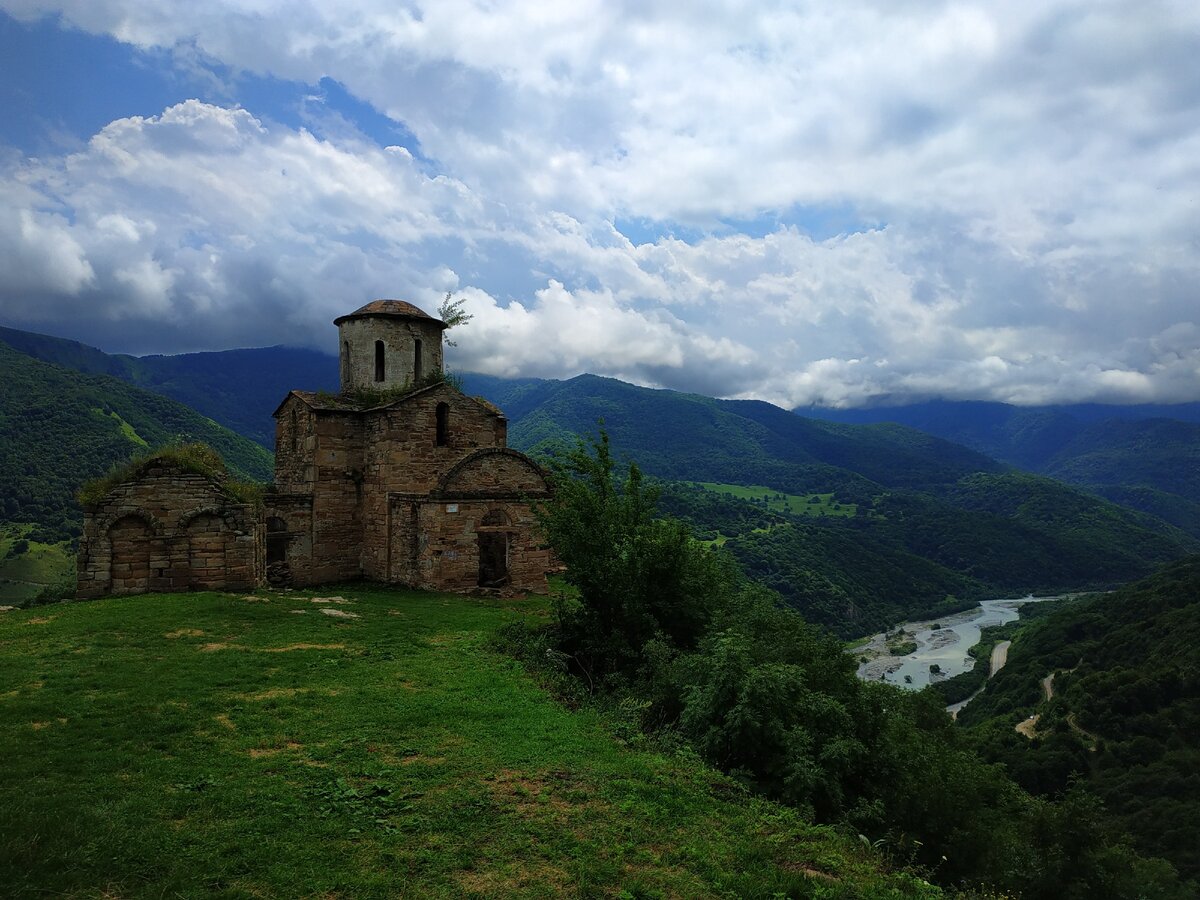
(362, 742)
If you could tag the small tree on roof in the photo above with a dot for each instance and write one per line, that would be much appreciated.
(452, 313)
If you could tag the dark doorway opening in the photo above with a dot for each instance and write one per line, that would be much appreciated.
(277, 540)
(493, 550)
(379, 373)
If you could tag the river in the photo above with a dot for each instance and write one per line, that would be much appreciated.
(945, 646)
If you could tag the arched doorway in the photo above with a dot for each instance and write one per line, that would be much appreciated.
(492, 534)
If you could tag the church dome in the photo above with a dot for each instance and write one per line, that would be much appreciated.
(399, 309)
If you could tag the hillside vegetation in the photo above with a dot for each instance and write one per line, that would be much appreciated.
(1146, 457)
(58, 428)
(665, 627)
(369, 744)
(1124, 673)
(238, 388)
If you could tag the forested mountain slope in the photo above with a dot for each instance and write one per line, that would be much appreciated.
(238, 388)
(59, 427)
(1123, 672)
(1146, 457)
(933, 524)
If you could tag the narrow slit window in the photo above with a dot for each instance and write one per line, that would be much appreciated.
(345, 364)
(417, 361)
(443, 424)
(379, 371)
(295, 429)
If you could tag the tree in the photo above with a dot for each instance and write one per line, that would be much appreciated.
(452, 313)
(638, 577)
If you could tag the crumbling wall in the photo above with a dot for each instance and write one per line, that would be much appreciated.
(169, 529)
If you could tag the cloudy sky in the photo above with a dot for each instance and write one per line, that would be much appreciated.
(835, 202)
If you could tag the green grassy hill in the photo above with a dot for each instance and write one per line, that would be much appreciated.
(59, 428)
(368, 745)
(1123, 671)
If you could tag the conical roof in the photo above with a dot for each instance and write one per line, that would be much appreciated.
(401, 309)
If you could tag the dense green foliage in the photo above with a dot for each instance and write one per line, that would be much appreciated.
(763, 694)
(252, 746)
(58, 428)
(912, 555)
(637, 577)
(1125, 712)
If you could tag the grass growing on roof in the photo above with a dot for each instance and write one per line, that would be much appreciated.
(367, 745)
(192, 457)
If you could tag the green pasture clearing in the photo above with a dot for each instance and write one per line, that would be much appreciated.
(370, 744)
(26, 574)
(810, 505)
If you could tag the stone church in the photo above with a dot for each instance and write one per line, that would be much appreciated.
(399, 478)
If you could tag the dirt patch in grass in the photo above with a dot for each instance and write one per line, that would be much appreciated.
(225, 722)
(214, 647)
(423, 760)
(807, 871)
(532, 795)
(40, 620)
(271, 694)
(340, 613)
(329, 600)
(290, 647)
(517, 878)
(289, 747)
(184, 632)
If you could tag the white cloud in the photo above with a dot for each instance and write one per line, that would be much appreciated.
(1029, 173)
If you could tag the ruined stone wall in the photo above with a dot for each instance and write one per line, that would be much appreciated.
(357, 339)
(289, 524)
(337, 498)
(169, 530)
(295, 447)
(448, 552)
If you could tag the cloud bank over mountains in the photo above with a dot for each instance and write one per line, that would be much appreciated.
(829, 204)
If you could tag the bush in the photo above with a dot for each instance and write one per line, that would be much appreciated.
(638, 578)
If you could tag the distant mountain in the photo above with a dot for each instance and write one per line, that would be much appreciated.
(1146, 457)
(936, 523)
(689, 437)
(60, 427)
(238, 388)
(1123, 672)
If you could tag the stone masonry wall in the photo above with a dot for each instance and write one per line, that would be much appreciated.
(399, 338)
(294, 511)
(295, 447)
(402, 455)
(448, 546)
(169, 530)
(337, 498)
